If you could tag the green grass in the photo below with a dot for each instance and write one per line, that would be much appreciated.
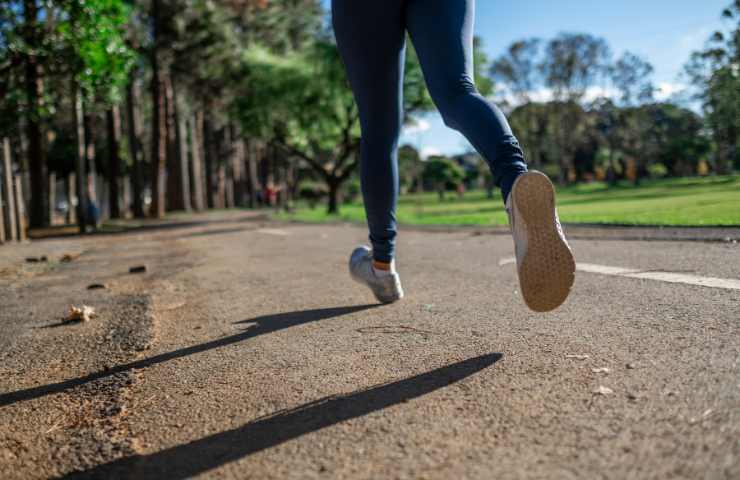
(682, 201)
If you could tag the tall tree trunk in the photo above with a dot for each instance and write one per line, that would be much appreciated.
(174, 187)
(80, 170)
(333, 207)
(251, 152)
(34, 94)
(92, 174)
(181, 139)
(159, 121)
(221, 187)
(209, 149)
(240, 186)
(290, 182)
(8, 197)
(266, 177)
(228, 167)
(90, 164)
(114, 161)
(52, 197)
(134, 144)
(195, 125)
(70, 188)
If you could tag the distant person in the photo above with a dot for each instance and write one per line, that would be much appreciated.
(371, 37)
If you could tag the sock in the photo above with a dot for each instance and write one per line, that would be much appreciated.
(382, 269)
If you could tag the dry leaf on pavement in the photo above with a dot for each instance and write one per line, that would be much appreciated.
(80, 314)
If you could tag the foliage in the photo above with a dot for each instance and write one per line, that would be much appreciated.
(98, 57)
(572, 63)
(715, 71)
(518, 68)
(443, 173)
(410, 168)
(630, 74)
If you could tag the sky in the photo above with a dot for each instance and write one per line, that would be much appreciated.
(665, 32)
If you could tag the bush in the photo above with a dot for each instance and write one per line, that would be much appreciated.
(552, 170)
(312, 192)
(657, 170)
(352, 191)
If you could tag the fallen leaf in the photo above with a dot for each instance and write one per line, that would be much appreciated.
(80, 314)
(68, 257)
(42, 258)
(602, 390)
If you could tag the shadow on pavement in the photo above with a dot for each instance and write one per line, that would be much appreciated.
(218, 231)
(199, 456)
(146, 226)
(263, 325)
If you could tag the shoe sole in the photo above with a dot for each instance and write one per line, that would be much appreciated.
(547, 272)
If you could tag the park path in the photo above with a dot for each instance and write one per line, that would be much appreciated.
(253, 356)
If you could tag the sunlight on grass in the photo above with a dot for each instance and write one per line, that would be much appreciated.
(683, 201)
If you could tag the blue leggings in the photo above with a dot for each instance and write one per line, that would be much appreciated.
(371, 36)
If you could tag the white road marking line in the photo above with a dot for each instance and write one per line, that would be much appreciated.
(668, 277)
(506, 261)
(713, 282)
(273, 231)
(604, 269)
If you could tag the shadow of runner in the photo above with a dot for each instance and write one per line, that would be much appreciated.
(184, 461)
(263, 325)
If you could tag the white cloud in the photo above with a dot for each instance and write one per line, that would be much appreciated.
(592, 93)
(419, 126)
(427, 152)
(544, 95)
(666, 90)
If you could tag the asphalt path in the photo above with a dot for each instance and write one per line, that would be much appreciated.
(245, 351)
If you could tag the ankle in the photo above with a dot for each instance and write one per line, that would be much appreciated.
(384, 268)
(378, 265)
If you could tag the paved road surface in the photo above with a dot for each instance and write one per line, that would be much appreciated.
(245, 352)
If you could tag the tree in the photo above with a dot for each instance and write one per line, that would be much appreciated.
(410, 168)
(518, 69)
(671, 135)
(26, 45)
(715, 72)
(630, 74)
(46, 43)
(572, 64)
(444, 174)
(301, 103)
(533, 123)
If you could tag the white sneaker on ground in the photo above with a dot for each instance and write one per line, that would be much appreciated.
(386, 288)
(544, 259)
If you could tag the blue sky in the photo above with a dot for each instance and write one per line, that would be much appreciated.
(663, 31)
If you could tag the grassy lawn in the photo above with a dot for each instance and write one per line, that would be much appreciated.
(682, 201)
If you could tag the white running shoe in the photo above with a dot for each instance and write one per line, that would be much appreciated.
(387, 288)
(544, 259)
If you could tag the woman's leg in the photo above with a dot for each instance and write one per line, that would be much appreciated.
(371, 39)
(442, 32)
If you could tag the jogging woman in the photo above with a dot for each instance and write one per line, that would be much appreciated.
(371, 36)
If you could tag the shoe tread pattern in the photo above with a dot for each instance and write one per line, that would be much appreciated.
(547, 270)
